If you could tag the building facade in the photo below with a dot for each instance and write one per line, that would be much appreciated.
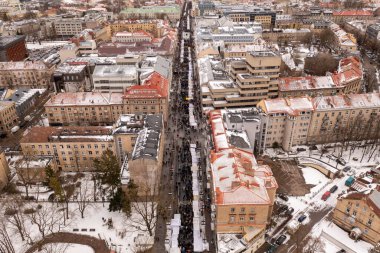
(359, 214)
(8, 116)
(4, 170)
(114, 78)
(346, 80)
(12, 48)
(151, 26)
(25, 74)
(304, 120)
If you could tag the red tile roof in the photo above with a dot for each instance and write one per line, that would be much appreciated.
(155, 86)
(353, 13)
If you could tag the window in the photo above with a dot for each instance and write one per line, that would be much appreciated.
(232, 218)
(251, 218)
(242, 218)
(242, 210)
(232, 210)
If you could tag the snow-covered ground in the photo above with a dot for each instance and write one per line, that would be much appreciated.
(66, 248)
(337, 238)
(37, 45)
(313, 176)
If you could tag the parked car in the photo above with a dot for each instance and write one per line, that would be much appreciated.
(334, 188)
(283, 196)
(349, 181)
(302, 218)
(326, 195)
(283, 208)
(347, 168)
(281, 239)
(341, 251)
(290, 211)
(341, 161)
(301, 149)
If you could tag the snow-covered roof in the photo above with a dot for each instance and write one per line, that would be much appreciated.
(291, 106)
(85, 99)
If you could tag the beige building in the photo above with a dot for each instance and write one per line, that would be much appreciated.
(359, 214)
(248, 83)
(304, 120)
(95, 108)
(73, 148)
(25, 74)
(243, 192)
(8, 116)
(4, 170)
(343, 40)
(151, 26)
(346, 80)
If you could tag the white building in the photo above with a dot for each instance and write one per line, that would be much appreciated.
(114, 78)
(132, 37)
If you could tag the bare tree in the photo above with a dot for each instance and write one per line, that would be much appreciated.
(48, 220)
(54, 247)
(314, 245)
(6, 245)
(16, 218)
(23, 169)
(83, 198)
(144, 211)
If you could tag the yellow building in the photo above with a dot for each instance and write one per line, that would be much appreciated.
(243, 192)
(73, 148)
(304, 120)
(151, 26)
(4, 170)
(8, 116)
(359, 214)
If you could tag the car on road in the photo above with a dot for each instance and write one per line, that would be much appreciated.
(289, 211)
(283, 196)
(347, 168)
(281, 239)
(301, 149)
(326, 195)
(302, 218)
(341, 251)
(333, 189)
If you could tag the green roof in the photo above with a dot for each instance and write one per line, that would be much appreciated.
(153, 9)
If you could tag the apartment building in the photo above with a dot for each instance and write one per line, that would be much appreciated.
(348, 15)
(71, 78)
(25, 74)
(347, 79)
(114, 78)
(304, 120)
(243, 192)
(248, 82)
(373, 31)
(84, 108)
(96, 108)
(68, 26)
(131, 37)
(343, 40)
(73, 148)
(359, 214)
(12, 48)
(169, 12)
(152, 26)
(8, 116)
(4, 170)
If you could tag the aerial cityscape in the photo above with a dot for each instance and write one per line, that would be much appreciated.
(181, 126)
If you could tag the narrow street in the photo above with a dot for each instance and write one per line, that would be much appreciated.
(176, 181)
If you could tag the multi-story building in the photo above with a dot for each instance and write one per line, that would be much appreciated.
(131, 37)
(246, 13)
(359, 214)
(95, 108)
(250, 81)
(84, 108)
(170, 12)
(25, 74)
(8, 116)
(344, 41)
(151, 26)
(12, 48)
(73, 148)
(4, 170)
(304, 120)
(348, 15)
(243, 192)
(346, 80)
(373, 31)
(149, 98)
(114, 78)
(68, 26)
(72, 78)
